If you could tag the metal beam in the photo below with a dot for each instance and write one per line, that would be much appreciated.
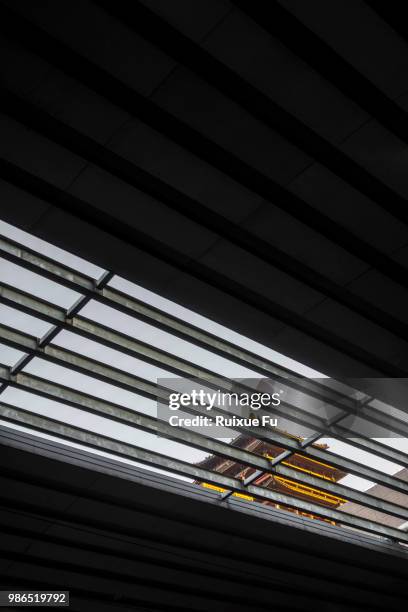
(51, 333)
(45, 266)
(94, 331)
(83, 401)
(274, 18)
(111, 225)
(132, 452)
(125, 343)
(122, 342)
(59, 273)
(93, 76)
(80, 144)
(135, 348)
(125, 380)
(149, 25)
(69, 319)
(40, 264)
(276, 461)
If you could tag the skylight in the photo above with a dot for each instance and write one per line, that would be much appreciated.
(99, 368)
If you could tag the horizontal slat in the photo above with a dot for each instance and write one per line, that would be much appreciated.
(41, 264)
(116, 91)
(58, 316)
(196, 58)
(52, 426)
(125, 380)
(131, 306)
(77, 399)
(78, 143)
(122, 342)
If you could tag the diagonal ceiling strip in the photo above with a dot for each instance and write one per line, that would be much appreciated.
(130, 235)
(68, 432)
(120, 94)
(143, 387)
(72, 397)
(283, 25)
(178, 46)
(120, 167)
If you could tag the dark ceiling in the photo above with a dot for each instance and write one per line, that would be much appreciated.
(245, 159)
(120, 538)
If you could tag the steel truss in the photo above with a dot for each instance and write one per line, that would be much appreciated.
(71, 319)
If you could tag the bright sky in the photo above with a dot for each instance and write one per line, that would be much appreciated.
(57, 294)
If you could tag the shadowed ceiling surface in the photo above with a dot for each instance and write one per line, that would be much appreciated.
(246, 160)
(120, 538)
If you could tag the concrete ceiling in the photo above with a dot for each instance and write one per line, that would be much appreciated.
(246, 160)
